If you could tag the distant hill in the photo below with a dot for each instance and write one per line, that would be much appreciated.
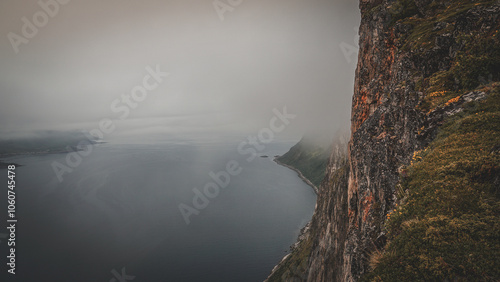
(308, 158)
(42, 142)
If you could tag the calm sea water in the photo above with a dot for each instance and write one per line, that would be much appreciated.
(117, 213)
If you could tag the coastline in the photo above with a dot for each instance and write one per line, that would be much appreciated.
(299, 173)
(6, 165)
(304, 231)
(303, 236)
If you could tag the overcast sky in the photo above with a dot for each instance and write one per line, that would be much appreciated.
(223, 74)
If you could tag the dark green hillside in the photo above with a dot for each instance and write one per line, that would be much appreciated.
(310, 159)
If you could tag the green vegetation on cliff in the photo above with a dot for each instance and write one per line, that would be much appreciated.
(428, 86)
(310, 159)
(477, 60)
(294, 266)
(446, 226)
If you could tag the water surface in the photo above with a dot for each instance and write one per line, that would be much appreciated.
(119, 209)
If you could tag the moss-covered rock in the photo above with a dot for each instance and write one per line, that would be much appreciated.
(449, 226)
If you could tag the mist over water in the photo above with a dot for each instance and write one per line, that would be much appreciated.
(225, 73)
(119, 208)
(173, 87)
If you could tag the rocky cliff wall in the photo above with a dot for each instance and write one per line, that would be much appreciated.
(419, 62)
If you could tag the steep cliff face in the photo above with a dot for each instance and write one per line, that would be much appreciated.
(406, 48)
(421, 64)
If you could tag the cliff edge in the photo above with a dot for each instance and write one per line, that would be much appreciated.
(417, 196)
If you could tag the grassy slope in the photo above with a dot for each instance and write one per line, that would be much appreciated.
(447, 225)
(309, 159)
(295, 265)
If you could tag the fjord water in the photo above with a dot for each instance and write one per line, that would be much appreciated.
(117, 213)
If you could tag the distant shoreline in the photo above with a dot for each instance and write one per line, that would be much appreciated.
(6, 165)
(59, 150)
(299, 173)
(31, 152)
(304, 231)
